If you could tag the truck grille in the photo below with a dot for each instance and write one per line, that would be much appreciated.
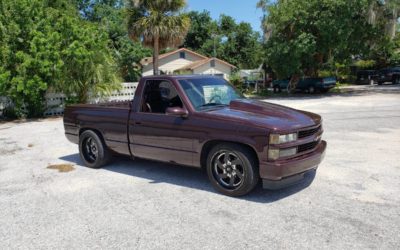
(309, 132)
(307, 146)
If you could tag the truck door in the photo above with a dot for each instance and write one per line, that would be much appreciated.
(155, 135)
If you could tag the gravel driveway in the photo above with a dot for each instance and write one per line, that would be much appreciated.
(352, 203)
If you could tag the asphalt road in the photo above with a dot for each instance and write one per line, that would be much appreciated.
(352, 202)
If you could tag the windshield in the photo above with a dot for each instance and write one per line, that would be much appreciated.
(207, 92)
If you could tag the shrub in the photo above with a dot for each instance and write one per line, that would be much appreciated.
(365, 64)
(236, 80)
(53, 47)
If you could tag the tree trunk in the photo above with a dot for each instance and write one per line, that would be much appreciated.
(156, 52)
(293, 83)
(83, 95)
(392, 24)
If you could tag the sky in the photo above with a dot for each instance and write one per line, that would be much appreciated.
(240, 10)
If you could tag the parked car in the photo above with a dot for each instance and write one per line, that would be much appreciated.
(252, 83)
(201, 121)
(366, 76)
(311, 85)
(280, 84)
(249, 83)
(389, 75)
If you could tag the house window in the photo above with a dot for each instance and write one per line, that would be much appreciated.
(182, 54)
(212, 63)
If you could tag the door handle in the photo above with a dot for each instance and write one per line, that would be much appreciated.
(137, 123)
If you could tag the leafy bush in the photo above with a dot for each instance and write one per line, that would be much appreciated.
(236, 80)
(307, 36)
(325, 73)
(365, 64)
(46, 44)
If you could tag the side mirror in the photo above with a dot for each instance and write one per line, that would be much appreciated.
(177, 111)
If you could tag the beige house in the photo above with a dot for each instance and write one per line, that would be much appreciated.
(185, 61)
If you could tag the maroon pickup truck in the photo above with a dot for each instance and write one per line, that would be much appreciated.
(201, 121)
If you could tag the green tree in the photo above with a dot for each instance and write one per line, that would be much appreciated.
(306, 36)
(387, 11)
(89, 67)
(202, 27)
(233, 42)
(158, 24)
(111, 16)
(384, 17)
(242, 46)
(45, 44)
(395, 57)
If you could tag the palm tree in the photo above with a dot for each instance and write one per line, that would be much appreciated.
(157, 24)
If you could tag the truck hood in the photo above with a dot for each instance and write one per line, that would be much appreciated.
(267, 115)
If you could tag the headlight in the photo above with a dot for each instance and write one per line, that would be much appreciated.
(274, 154)
(278, 139)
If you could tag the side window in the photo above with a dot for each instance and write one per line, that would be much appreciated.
(158, 96)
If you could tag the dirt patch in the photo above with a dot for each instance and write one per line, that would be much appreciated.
(9, 147)
(62, 168)
(9, 151)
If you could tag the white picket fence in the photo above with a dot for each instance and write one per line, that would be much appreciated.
(4, 103)
(55, 102)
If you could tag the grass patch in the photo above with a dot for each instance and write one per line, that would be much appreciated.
(343, 84)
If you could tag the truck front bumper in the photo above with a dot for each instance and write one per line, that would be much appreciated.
(280, 174)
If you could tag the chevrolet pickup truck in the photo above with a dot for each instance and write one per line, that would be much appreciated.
(201, 121)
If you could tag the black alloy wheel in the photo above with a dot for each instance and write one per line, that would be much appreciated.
(92, 149)
(232, 169)
(228, 169)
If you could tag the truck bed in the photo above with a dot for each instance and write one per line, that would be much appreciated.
(108, 118)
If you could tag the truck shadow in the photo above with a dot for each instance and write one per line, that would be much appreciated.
(157, 172)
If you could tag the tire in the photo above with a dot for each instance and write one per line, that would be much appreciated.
(380, 83)
(311, 90)
(221, 169)
(277, 89)
(92, 150)
(396, 80)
